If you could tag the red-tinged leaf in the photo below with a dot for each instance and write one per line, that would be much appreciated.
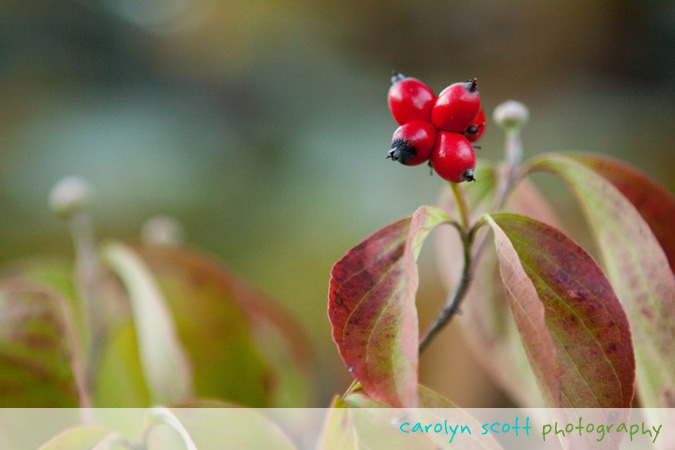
(638, 269)
(654, 202)
(39, 364)
(217, 313)
(573, 327)
(486, 321)
(372, 307)
(212, 325)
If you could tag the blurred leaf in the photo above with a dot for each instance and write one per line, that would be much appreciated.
(56, 273)
(119, 381)
(211, 428)
(366, 424)
(213, 310)
(165, 366)
(486, 321)
(638, 268)
(574, 330)
(180, 436)
(654, 202)
(85, 439)
(426, 398)
(39, 364)
(372, 307)
(339, 432)
(366, 419)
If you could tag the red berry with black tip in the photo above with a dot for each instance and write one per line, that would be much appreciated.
(456, 106)
(453, 157)
(409, 99)
(413, 142)
(477, 128)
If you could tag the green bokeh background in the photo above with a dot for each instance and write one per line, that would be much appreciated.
(262, 125)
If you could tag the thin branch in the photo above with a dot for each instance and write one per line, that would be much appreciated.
(452, 306)
(461, 205)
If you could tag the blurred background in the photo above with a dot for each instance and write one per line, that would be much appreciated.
(262, 126)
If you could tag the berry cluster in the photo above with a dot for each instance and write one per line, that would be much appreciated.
(439, 129)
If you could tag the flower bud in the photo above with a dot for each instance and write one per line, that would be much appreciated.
(70, 195)
(162, 231)
(511, 115)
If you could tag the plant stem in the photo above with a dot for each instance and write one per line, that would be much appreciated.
(514, 153)
(461, 205)
(452, 306)
(513, 148)
(87, 280)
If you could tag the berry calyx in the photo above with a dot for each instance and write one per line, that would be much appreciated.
(413, 142)
(477, 128)
(456, 107)
(409, 99)
(453, 157)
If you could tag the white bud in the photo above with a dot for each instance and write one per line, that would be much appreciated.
(162, 231)
(511, 115)
(70, 195)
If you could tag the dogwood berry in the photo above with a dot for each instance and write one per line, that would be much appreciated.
(456, 107)
(453, 157)
(409, 99)
(413, 142)
(477, 128)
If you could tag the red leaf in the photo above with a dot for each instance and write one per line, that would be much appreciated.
(372, 307)
(638, 268)
(654, 202)
(574, 329)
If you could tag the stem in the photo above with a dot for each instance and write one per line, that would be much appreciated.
(452, 306)
(87, 280)
(513, 148)
(514, 154)
(461, 205)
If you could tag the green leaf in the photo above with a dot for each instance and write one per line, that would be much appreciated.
(119, 379)
(373, 425)
(85, 439)
(339, 430)
(573, 327)
(654, 202)
(223, 323)
(372, 307)
(165, 366)
(638, 269)
(212, 428)
(39, 365)
(426, 398)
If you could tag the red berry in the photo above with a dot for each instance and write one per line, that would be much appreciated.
(409, 99)
(453, 157)
(413, 142)
(477, 128)
(456, 107)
